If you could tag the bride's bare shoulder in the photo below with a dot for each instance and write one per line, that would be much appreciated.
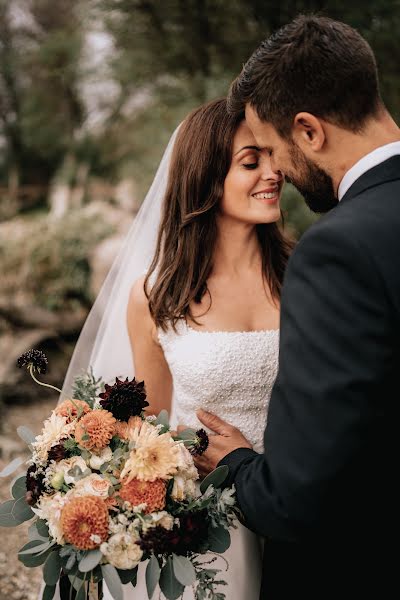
(138, 305)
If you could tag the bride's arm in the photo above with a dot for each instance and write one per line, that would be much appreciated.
(149, 360)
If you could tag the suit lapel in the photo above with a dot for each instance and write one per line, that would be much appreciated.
(388, 170)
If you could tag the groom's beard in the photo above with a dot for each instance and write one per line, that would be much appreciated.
(313, 183)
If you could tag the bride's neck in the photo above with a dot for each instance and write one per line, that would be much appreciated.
(236, 250)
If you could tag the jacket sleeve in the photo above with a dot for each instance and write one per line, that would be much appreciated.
(324, 405)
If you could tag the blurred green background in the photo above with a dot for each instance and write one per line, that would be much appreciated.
(90, 92)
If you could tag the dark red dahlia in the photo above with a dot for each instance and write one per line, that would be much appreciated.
(124, 399)
(57, 453)
(34, 485)
(187, 537)
(200, 444)
(35, 359)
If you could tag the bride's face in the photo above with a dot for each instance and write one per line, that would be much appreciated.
(252, 189)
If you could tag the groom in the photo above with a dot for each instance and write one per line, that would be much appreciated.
(325, 492)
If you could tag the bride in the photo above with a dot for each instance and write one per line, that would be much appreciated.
(203, 322)
(208, 258)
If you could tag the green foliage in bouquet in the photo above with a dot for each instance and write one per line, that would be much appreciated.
(109, 487)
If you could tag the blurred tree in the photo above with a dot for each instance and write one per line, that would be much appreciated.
(40, 109)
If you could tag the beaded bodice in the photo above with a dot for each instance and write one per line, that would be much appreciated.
(228, 373)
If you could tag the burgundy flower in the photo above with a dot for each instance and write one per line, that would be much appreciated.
(57, 453)
(189, 536)
(124, 399)
(34, 485)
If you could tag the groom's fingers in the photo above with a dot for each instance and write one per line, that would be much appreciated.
(214, 423)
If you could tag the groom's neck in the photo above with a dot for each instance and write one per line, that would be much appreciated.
(351, 147)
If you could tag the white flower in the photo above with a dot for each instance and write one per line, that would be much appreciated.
(67, 464)
(49, 509)
(187, 468)
(227, 498)
(96, 460)
(55, 428)
(95, 538)
(162, 518)
(121, 551)
(152, 456)
(92, 485)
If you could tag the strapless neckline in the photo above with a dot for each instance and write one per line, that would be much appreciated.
(224, 332)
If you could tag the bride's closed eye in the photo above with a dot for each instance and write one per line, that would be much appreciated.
(250, 165)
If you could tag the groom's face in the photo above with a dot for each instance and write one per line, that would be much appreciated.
(315, 185)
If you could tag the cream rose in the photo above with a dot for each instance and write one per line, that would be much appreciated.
(96, 460)
(121, 551)
(93, 485)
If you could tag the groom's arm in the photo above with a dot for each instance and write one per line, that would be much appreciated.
(323, 411)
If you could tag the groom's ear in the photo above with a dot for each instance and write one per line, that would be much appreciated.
(308, 132)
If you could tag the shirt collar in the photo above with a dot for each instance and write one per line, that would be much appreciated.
(366, 163)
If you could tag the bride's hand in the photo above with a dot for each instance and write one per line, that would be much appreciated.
(226, 439)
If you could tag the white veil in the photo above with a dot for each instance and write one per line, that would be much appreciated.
(104, 343)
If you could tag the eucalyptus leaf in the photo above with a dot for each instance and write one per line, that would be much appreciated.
(90, 561)
(26, 434)
(163, 418)
(36, 549)
(33, 534)
(113, 581)
(7, 517)
(42, 527)
(187, 434)
(184, 570)
(170, 586)
(33, 560)
(215, 478)
(75, 581)
(128, 575)
(52, 568)
(48, 592)
(70, 562)
(81, 595)
(219, 539)
(18, 487)
(152, 575)
(22, 510)
(11, 467)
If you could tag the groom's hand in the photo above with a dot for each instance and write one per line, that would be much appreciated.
(227, 439)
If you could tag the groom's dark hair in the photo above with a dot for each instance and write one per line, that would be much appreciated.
(313, 64)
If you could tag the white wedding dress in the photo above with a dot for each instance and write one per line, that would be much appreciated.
(230, 374)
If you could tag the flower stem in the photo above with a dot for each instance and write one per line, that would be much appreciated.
(40, 383)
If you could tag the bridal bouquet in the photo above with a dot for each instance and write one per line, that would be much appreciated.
(108, 488)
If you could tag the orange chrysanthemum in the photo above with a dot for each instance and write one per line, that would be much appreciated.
(95, 430)
(123, 428)
(84, 521)
(150, 492)
(71, 409)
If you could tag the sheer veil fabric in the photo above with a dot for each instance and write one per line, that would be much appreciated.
(104, 343)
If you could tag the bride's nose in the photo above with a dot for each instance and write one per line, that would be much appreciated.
(268, 172)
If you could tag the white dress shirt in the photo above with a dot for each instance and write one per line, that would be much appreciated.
(366, 163)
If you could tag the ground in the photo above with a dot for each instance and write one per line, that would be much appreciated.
(16, 581)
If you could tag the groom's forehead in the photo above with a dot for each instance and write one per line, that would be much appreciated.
(264, 132)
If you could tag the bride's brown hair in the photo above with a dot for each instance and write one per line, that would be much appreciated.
(182, 262)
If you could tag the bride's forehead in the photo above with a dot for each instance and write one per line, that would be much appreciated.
(243, 137)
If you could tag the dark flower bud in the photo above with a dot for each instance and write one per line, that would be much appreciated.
(35, 359)
(200, 444)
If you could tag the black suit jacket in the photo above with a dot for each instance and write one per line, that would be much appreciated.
(324, 492)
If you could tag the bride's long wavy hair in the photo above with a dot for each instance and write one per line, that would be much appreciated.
(183, 259)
